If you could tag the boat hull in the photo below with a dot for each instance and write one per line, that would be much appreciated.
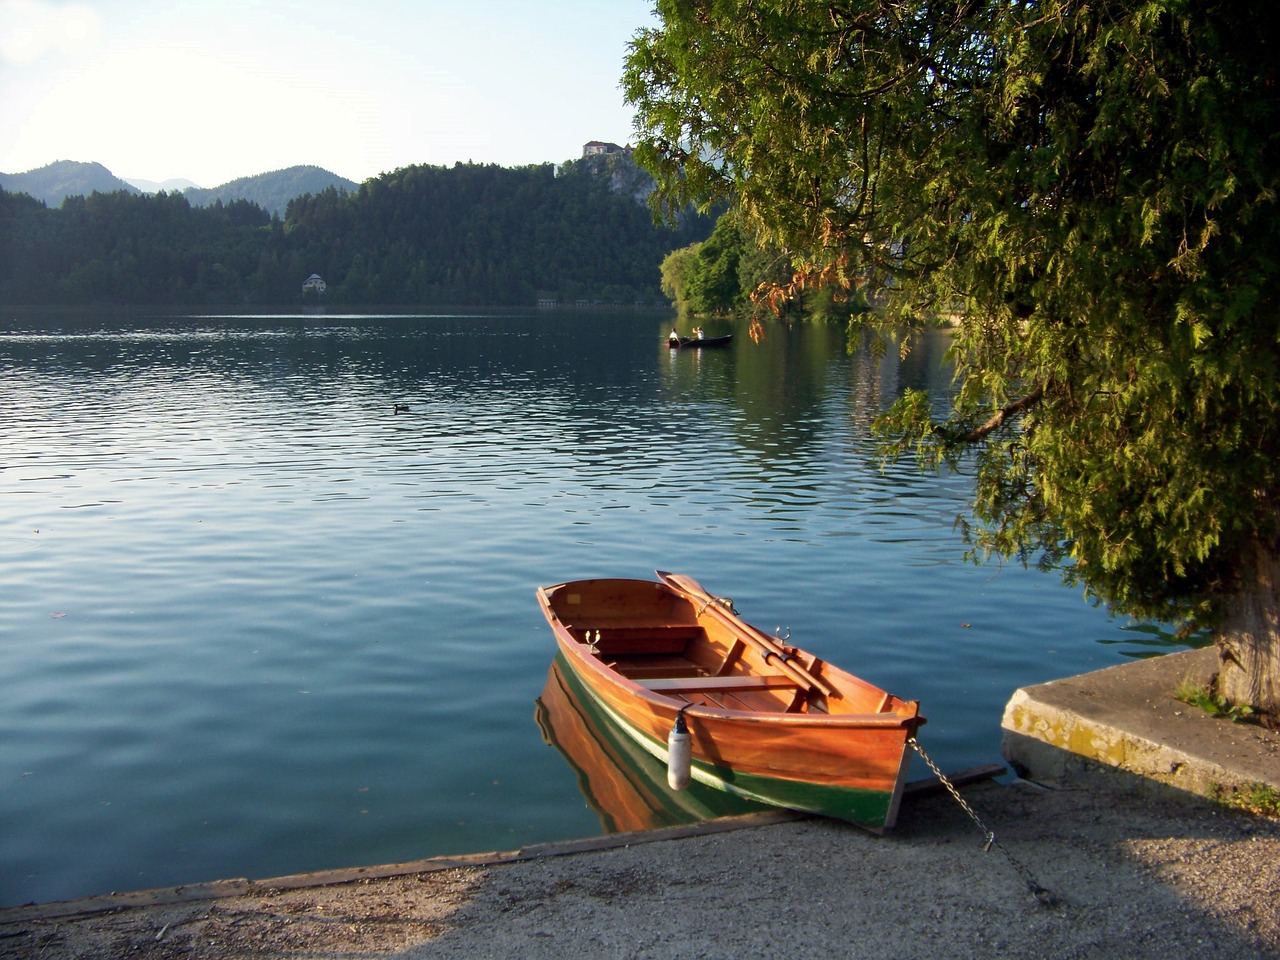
(697, 343)
(842, 755)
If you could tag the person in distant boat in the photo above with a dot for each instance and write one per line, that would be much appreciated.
(675, 336)
(698, 332)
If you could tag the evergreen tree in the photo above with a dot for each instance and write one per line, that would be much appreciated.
(1094, 186)
(469, 234)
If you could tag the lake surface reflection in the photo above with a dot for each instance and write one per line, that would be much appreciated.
(256, 622)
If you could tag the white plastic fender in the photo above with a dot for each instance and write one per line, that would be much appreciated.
(679, 754)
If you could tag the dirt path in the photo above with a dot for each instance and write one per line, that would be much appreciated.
(1133, 878)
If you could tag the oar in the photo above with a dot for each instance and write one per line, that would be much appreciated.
(767, 645)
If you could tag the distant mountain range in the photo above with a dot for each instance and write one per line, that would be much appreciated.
(271, 191)
(65, 178)
(169, 186)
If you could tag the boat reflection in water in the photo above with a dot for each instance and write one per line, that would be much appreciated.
(624, 785)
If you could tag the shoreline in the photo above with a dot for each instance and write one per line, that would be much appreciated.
(1128, 879)
(1133, 861)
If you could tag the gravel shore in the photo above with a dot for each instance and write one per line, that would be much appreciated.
(1129, 877)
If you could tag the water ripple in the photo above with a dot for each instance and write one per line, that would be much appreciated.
(269, 625)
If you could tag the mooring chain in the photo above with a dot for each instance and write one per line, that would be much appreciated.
(1041, 895)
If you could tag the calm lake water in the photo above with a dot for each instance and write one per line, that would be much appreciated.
(255, 622)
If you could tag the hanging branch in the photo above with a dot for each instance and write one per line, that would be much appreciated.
(998, 419)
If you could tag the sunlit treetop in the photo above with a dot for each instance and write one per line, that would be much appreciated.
(1093, 188)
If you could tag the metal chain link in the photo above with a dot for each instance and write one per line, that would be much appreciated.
(1041, 895)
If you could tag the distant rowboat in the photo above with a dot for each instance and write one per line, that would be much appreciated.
(765, 720)
(699, 342)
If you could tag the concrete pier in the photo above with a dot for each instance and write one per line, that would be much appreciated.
(1124, 724)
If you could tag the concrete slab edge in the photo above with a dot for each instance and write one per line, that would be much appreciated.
(1122, 725)
(1046, 743)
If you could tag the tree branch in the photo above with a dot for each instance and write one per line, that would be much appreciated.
(1021, 405)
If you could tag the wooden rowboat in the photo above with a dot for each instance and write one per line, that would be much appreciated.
(699, 342)
(767, 721)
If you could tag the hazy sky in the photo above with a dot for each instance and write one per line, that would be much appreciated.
(212, 91)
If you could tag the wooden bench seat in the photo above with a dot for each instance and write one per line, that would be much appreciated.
(678, 685)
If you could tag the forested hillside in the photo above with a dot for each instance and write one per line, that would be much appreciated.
(271, 191)
(422, 235)
(64, 178)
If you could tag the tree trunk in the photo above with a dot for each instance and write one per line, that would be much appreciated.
(1248, 637)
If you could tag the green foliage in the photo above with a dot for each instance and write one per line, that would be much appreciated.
(126, 248)
(713, 285)
(1258, 798)
(1214, 704)
(1095, 185)
(724, 274)
(677, 270)
(469, 234)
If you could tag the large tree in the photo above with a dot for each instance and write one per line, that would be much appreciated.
(1093, 186)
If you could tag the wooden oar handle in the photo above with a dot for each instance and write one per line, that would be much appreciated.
(770, 649)
(768, 646)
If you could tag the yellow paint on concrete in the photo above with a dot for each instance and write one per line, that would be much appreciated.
(1125, 719)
